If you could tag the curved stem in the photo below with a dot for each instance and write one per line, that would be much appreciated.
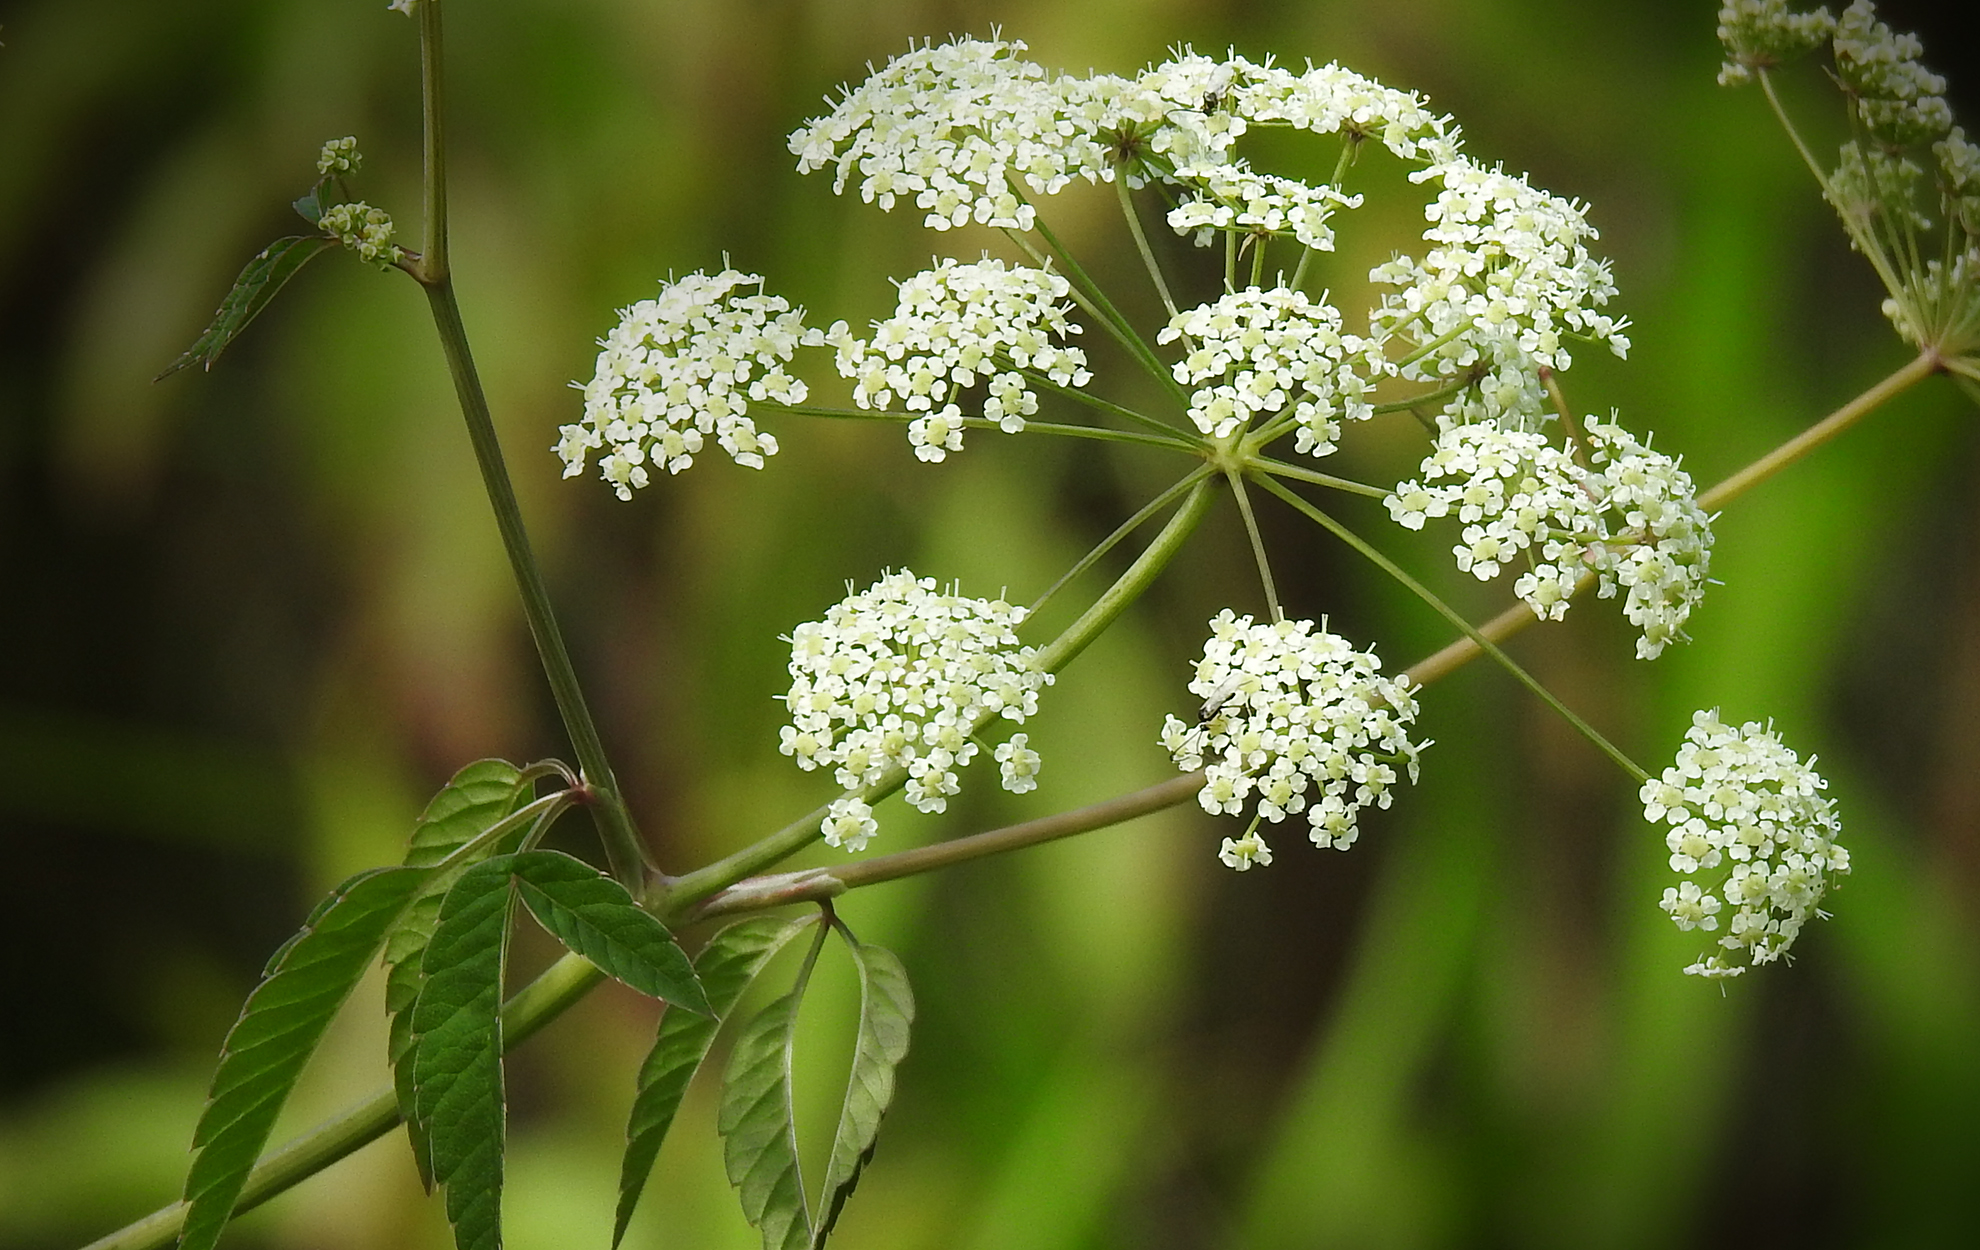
(1456, 618)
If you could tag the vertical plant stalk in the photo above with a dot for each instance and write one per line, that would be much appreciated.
(1257, 545)
(623, 848)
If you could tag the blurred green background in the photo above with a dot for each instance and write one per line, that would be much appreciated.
(254, 617)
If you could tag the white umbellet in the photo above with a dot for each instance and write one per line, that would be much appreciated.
(1295, 720)
(901, 676)
(1752, 836)
(683, 366)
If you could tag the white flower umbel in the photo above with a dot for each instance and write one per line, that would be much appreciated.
(1257, 353)
(1631, 517)
(363, 229)
(1332, 100)
(949, 128)
(1753, 837)
(1508, 279)
(1294, 719)
(1760, 34)
(681, 367)
(900, 675)
(957, 325)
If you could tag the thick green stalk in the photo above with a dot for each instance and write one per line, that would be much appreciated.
(1139, 577)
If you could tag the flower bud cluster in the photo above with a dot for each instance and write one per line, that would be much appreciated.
(899, 676)
(957, 325)
(1760, 34)
(364, 229)
(1900, 101)
(1749, 821)
(1255, 353)
(1959, 176)
(339, 156)
(1233, 197)
(1509, 276)
(1294, 720)
(680, 367)
(1631, 517)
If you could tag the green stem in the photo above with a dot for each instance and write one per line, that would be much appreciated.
(1257, 544)
(1126, 527)
(1442, 339)
(1230, 262)
(1141, 242)
(1927, 363)
(1577, 441)
(1129, 586)
(1454, 617)
(1090, 297)
(1279, 468)
(1110, 407)
(1257, 260)
(821, 884)
(623, 848)
(1417, 401)
(1097, 433)
(433, 260)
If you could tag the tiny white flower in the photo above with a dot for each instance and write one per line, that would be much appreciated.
(1752, 835)
(1295, 720)
(1242, 853)
(1018, 764)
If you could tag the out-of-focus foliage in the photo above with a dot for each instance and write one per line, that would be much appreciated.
(255, 615)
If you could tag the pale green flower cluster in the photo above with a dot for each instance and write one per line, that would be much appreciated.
(900, 676)
(339, 156)
(363, 229)
(1900, 101)
(956, 326)
(684, 366)
(1294, 720)
(1753, 837)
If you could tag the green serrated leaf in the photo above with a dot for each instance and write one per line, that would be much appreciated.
(593, 915)
(457, 1057)
(258, 283)
(478, 796)
(726, 966)
(280, 1026)
(886, 1014)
